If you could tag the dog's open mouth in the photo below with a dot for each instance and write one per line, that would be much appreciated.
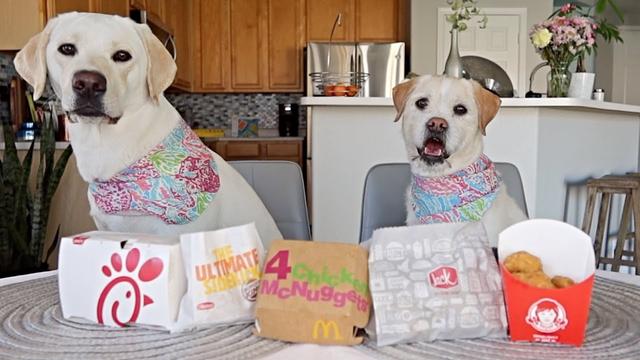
(433, 150)
(91, 112)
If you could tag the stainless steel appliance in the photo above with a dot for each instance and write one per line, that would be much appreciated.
(384, 62)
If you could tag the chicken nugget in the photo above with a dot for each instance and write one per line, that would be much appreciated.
(522, 262)
(537, 279)
(561, 282)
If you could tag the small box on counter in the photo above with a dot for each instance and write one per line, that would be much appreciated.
(540, 308)
(313, 292)
(121, 279)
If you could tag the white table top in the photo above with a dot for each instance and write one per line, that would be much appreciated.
(572, 103)
(320, 352)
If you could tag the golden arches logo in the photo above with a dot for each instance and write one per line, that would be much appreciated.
(326, 327)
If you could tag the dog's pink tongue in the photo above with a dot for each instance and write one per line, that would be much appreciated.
(433, 148)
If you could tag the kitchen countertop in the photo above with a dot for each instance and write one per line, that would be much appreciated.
(506, 102)
(260, 138)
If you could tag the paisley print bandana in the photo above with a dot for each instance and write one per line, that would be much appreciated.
(460, 197)
(175, 181)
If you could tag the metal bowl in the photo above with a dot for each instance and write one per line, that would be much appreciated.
(339, 84)
(488, 74)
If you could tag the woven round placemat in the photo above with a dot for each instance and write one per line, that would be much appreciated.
(32, 327)
(613, 332)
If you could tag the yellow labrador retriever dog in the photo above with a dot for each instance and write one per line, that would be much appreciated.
(147, 171)
(443, 122)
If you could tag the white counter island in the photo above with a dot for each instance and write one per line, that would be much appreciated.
(552, 141)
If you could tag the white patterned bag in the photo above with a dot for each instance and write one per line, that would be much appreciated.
(223, 269)
(436, 281)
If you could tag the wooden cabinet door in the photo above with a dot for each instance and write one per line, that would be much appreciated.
(211, 36)
(286, 31)
(321, 15)
(180, 18)
(248, 44)
(56, 7)
(376, 20)
(19, 21)
(112, 7)
(156, 10)
(139, 4)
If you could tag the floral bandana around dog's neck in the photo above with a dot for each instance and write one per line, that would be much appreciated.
(175, 181)
(460, 197)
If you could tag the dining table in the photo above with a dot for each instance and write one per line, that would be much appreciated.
(32, 327)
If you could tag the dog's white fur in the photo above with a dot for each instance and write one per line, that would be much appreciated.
(463, 137)
(134, 97)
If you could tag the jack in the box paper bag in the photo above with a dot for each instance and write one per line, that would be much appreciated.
(223, 270)
(436, 281)
(313, 292)
(120, 279)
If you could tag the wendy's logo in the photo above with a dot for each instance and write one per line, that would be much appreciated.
(547, 316)
(124, 290)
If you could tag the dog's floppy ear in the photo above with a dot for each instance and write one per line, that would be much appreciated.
(162, 68)
(400, 93)
(488, 105)
(31, 61)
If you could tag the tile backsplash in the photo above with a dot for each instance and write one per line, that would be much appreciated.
(199, 110)
(218, 110)
(7, 71)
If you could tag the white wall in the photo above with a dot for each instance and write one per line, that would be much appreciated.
(424, 22)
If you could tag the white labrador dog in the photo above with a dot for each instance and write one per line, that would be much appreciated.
(147, 171)
(443, 122)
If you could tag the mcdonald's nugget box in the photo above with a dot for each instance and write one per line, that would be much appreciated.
(548, 315)
(313, 292)
(120, 279)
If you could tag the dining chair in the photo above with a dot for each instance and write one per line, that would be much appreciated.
(385, 186)
(280, 186)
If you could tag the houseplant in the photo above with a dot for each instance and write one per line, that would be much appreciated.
(24, 212)
(582, 81)
(463, 10)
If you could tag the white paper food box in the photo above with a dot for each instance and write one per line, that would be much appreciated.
(119, 279)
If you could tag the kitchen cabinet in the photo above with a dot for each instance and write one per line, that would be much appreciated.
(288, 149)
(211, 41)
(114, 7)
(19, 21)
(247, 32)
(362, 20)
(248, 45)
(178, 15)
(321, 15)
(286, 29)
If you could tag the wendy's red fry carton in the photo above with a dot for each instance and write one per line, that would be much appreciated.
(121, 279)
(313, 292)
(549, 315)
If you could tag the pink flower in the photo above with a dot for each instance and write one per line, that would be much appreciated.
(567, 8)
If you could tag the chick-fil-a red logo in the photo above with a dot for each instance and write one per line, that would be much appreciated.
(149, 271)
(443, 277)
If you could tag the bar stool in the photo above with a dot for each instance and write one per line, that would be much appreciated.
(629, 186)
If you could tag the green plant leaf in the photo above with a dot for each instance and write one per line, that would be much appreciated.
(54, 244)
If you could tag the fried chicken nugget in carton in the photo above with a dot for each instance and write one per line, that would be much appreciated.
(548, 315)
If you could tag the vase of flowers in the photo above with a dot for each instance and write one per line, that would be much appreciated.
(570, 33)
(463, 10)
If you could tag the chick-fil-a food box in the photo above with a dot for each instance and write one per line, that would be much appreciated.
(548, 314)
(119, 279)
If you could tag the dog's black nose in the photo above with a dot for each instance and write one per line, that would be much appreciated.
(89, 83)
(437, 124)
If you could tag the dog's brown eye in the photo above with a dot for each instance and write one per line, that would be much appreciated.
(422, 103)
(67, 49)
(459, 109)
(121, 56)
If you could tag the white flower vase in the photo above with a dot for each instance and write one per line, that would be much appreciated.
(581, 85)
